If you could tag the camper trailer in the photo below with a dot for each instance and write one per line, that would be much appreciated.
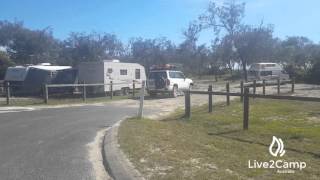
(29, 80)
(122, 75)
(267, 71)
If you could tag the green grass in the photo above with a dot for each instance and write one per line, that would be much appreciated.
(58, 101)
(214, 146)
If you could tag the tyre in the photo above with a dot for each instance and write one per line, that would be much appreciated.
(174, 92)
(190, 86)
(152, 94)
(125, 91)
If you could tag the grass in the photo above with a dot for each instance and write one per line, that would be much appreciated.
(32, 101)
(214, 146)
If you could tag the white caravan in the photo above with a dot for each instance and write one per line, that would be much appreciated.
(122, 75)
(267, 71)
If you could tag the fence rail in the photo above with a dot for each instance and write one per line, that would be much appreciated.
(244, 97)
(45, 92)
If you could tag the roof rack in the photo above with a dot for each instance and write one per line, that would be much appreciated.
(163, 67)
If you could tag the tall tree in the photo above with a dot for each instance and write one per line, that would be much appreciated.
(5, 62)
(80, 47)
(188, 52)
(27, 46)
(152, 51)
(226, 18)
(254, 45)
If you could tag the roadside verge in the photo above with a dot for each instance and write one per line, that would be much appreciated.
(114, 160)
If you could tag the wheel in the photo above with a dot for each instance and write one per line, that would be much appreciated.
(174, 92)
(190, 86)
(125, 91)
(152, 94)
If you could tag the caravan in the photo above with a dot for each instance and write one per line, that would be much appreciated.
(122, 75)
(29, 80)
(267, 71)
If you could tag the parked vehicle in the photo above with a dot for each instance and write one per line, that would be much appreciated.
(29, 80)
(166, 78)
(267, 71)
(122, 75)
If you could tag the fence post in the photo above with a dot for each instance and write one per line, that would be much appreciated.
(292, 85)
(228, 91)
(84, 92)
(246, 109)
(45, 93)
(241, 90)
(142, 91)
(264, 87)
(111, 90)
(254, 86)
(8, 93)
(187, 104)
(278, 84)
(133, 88)
(210, 98)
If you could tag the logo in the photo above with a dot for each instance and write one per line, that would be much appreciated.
(280, 147)
(276, 149)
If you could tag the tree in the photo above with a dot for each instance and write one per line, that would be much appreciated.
(225, 53)
(26, 46)
(254, 45)
(80, 47)
(297, 51)
(226, 18)
(152, 51)
(188, 52)
(5, 62)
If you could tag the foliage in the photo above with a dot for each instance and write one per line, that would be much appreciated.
(313, 75)
(5, 62)
(26, 46)
(81, 47)
(234, 44)
(152, 51)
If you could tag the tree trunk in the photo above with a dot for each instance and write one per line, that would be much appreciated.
(244, 68)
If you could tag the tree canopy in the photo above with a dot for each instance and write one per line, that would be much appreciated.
(234, 44)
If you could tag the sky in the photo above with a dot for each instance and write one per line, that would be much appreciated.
(156, 18)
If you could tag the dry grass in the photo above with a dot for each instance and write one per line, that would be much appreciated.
(213, 146)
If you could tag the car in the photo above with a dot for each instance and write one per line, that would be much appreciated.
(167, 80)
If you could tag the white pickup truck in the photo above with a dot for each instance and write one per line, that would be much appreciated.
(170, 81)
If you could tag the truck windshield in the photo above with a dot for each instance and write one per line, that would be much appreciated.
(158, 75)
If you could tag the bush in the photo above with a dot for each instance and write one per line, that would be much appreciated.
(5, 62)
(298, 73)
(313, 75)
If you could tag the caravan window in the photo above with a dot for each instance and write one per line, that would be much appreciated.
(123, 72)
(138, 74)
(110, 70)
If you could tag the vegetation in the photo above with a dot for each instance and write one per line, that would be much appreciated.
(214, 146)
(235, 44)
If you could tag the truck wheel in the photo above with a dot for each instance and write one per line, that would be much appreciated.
(174, 92)
(152, 94)
(125, 91)
(190, 86)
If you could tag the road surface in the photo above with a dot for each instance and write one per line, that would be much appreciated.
(53, 143)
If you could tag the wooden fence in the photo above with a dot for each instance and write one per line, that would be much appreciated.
(244, 97)
(7, 88)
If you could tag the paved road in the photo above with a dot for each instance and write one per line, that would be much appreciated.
(51, 143)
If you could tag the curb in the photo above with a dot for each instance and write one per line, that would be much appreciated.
(114, 160)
